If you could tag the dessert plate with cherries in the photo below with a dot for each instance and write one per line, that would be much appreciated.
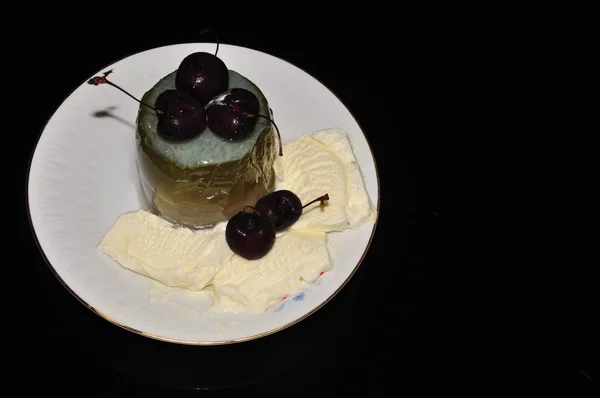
(203, 194)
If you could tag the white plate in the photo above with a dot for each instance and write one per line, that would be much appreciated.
(83, 175)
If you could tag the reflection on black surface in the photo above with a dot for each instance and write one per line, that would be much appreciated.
(216, 366)
(184, 366)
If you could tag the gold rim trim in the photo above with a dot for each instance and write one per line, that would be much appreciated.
(193, 342)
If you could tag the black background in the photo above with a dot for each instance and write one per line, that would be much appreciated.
(474, 116)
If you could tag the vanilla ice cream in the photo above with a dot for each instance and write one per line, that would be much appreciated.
(324, 162)
(297, 258)
(175, 256)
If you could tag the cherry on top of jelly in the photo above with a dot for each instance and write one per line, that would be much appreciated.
(203, 75)
(180, 116)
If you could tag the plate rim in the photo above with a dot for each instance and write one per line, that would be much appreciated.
(182, 341)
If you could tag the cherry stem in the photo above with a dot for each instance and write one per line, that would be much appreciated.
(321, 199)
(255, 211)
(96, 80)
(276, 128)
(205, 30)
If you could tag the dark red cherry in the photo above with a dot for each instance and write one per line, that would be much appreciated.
(250, 234)
(228, 124)
(283, 207)
(203, 75)
(232, 115)
(182, 117)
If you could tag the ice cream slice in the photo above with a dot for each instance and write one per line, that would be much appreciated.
(297, 258)
(324, 162)
(175, 256)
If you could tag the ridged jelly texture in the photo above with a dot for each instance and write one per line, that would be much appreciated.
(207, 148)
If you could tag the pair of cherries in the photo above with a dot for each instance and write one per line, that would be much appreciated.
(252, 234)
(232, 115)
